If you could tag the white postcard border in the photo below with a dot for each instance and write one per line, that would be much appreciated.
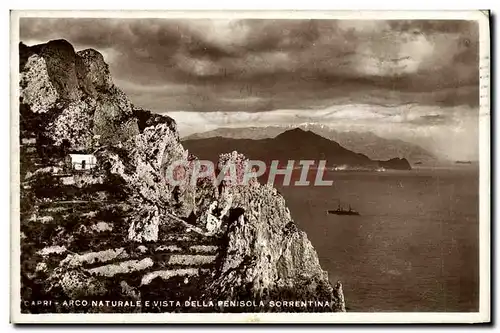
(484, 313)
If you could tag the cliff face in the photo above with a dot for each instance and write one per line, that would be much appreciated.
(265, 255)
(187, 241)
(74, 96)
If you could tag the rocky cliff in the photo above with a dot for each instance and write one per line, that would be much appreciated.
(72, 96)
(128, 233)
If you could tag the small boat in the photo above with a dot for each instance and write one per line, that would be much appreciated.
(341, 211)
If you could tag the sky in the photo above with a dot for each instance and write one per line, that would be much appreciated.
(414, 80)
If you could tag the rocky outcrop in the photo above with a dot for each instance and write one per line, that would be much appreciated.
(37, 89)
(76, 95)
(175, 240)
(146, 119)
(93, 72)
(265, 255)
(142, 167)
(395, 164)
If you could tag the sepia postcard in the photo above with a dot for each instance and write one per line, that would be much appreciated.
(250, 167)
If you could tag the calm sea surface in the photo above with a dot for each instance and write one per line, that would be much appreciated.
(415, 245)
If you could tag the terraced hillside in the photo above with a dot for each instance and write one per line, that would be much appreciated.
(85, 241)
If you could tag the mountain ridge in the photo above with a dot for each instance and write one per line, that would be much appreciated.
(294, 144)
(367, 143)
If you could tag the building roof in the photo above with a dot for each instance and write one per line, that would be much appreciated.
(80, 151)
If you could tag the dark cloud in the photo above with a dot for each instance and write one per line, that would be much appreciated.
(256, 65)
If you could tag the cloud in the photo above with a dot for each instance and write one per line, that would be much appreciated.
(416, 80)
(340, 116)
(259, 65)
(449, 132)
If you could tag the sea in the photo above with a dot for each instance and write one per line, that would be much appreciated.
(414, 246)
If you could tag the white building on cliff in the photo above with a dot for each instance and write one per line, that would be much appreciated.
(82, 161)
